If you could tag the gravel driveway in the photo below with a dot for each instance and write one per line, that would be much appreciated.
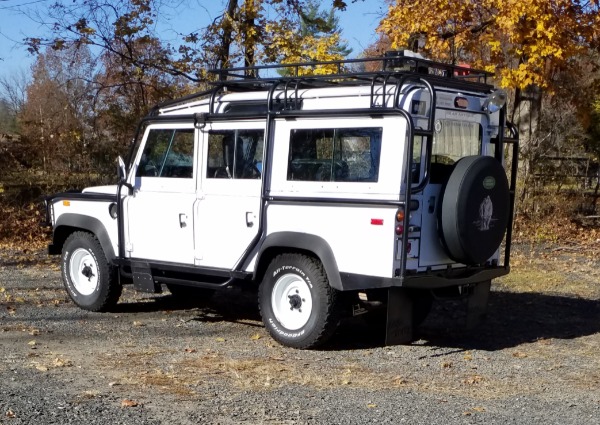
(158, 361)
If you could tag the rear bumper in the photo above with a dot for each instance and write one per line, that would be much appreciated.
(428, 280)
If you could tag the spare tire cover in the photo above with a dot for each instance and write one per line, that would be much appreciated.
(474, 209)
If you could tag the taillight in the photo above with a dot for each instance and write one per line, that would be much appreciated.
(400, 221)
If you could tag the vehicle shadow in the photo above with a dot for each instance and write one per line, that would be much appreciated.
(513, 319)
(224, 306)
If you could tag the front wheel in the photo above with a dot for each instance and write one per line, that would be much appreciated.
(89, 279)
(297, 305)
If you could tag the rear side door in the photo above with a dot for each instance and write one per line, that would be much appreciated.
(227, 217)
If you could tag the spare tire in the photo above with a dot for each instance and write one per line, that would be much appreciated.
(474, 210)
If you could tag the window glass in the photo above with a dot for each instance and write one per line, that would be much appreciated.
(452, 141)
(235, 154)
(339, 155)
(168, 153)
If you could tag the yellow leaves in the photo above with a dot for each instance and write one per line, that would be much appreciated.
(536, 36)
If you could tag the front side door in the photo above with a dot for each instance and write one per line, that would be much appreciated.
(227, 216)
(159, 213)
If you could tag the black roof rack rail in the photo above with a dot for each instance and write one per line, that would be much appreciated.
(392, 63)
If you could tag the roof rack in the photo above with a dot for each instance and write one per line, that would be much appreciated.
(348, 70)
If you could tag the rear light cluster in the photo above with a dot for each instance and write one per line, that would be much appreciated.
(400, 221)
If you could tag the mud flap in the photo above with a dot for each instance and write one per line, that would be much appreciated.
(399, 325)
(142, 278)
(477, 304)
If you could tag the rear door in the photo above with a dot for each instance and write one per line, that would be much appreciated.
(227, 217)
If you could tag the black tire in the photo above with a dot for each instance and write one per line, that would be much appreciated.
(474, 210)
(298, 281)
(189, 293)
(90, 280)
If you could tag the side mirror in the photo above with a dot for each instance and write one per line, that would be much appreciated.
(121, 170)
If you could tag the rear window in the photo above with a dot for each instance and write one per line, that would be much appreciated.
(335, 154)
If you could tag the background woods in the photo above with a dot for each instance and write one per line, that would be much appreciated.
(100, 65)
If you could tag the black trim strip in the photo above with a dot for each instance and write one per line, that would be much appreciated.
(79, 196)
(328, 201)
(431, 280)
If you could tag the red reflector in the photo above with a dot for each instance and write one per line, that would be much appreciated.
(377, 221)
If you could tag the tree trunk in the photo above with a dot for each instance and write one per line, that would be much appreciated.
(227, 37)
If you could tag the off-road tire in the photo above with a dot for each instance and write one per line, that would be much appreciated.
(83, 258)
(298, 276)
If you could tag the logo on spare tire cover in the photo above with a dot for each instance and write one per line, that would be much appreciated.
(489, 182)
(486, 209)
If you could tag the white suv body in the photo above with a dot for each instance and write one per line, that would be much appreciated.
(319, 189)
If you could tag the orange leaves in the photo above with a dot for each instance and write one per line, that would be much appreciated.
(526, 40)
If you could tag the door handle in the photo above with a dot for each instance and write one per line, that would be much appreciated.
(250, 218)
(182, 220)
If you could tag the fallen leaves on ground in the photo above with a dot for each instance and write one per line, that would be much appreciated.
(129, 403)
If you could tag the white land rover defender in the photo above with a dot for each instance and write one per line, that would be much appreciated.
(329, 192)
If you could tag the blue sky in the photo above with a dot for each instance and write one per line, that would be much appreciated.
(358, 25)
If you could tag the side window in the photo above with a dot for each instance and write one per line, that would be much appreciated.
(338, 155)
(168, 153)
(235, 154)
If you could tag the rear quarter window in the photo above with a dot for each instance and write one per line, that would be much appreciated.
(335, 154)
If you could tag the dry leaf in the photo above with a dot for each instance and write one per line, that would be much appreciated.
(446, 365)
(10, 414)
(137, 323)
(519, 355)
(32, 343)
(42, 368)
(34, 332)
(2, 290)
(255, 337)
(129, 403)
(475, 379)
(371, 406)
(220, 339)
(478, 409)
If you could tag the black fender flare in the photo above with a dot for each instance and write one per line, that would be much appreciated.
(305, 242)
(83, 222)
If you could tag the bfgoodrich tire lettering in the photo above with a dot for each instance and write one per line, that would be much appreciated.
(89, 279)
(298, 306)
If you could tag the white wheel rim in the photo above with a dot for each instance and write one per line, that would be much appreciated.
(291, 301)
(83, 271)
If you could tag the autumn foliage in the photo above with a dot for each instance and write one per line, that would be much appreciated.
(525, 42)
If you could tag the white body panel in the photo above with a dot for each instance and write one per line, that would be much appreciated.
(358, 245)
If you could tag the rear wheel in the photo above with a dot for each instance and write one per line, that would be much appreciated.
(298, 306)
(90, 280)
